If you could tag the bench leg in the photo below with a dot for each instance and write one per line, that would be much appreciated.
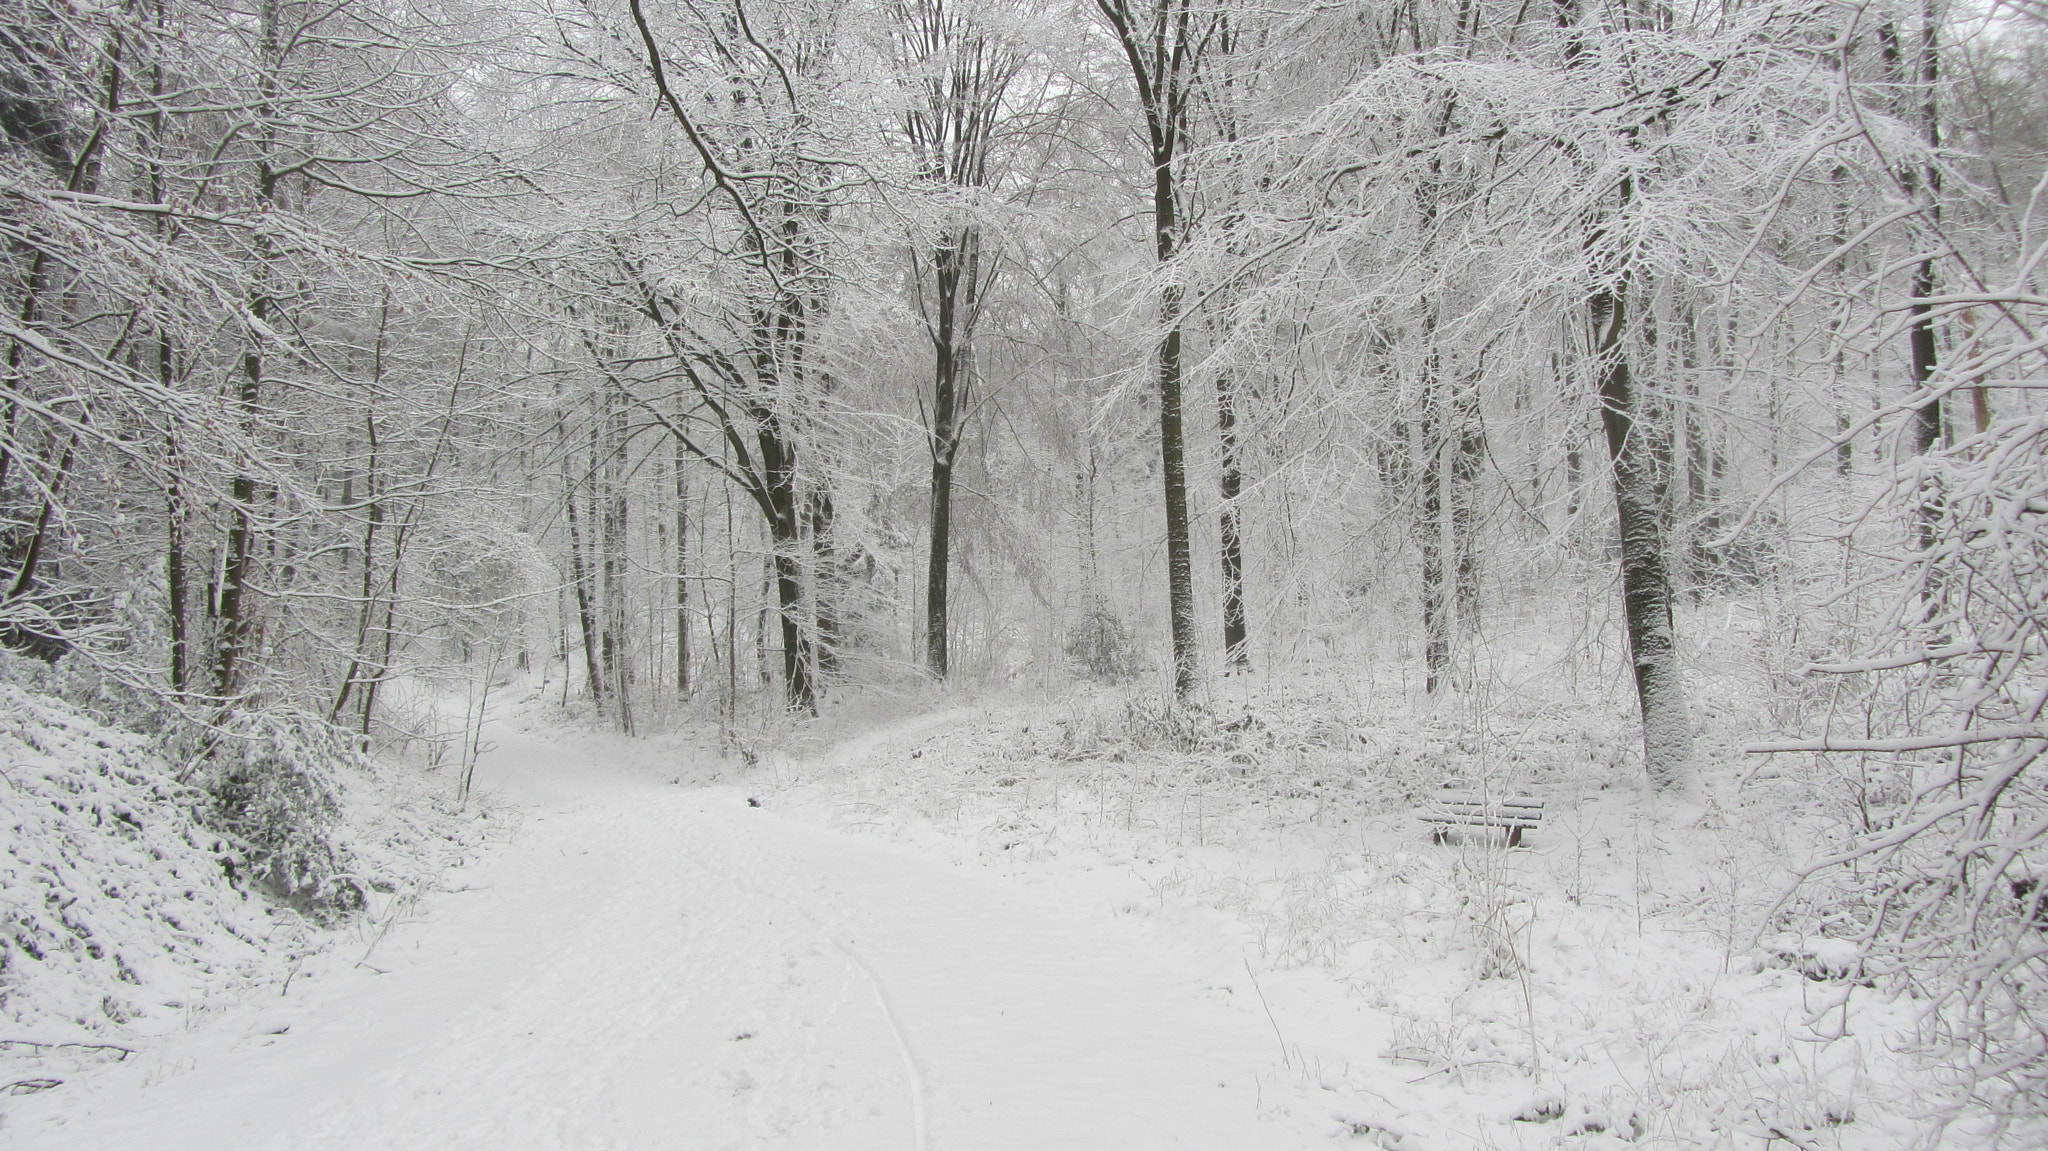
(1515, 836)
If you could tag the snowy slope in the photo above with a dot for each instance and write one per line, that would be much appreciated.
(116, 913)
(649, 965)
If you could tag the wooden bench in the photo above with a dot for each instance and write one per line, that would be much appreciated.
(1459, 804)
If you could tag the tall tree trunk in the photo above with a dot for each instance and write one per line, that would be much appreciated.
(1236, 651)
(947, 398)
(1645, 578)
(828, 580)
(610, 540)
(682, 567)
(1180, 565)
(1918, 77)
(373, 518)
(174, 565)
(232, 606)
(176, 511)
(231, 609)
(937, 625)
(1436, 590)
(1467, 460)
(580, 576)
(789, 543)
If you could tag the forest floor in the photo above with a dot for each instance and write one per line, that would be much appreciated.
(1008, 926)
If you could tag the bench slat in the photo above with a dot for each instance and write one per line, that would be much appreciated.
(1461, 807)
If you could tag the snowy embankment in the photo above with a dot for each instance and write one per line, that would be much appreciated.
(135, 904)
(118, 913)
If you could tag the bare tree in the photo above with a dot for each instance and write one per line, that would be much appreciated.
(1163, 42)
(958, 67)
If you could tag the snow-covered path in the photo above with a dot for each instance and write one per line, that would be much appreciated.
(654, 966)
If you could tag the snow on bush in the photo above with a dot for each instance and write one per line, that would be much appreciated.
(274, 787)
(115, 899)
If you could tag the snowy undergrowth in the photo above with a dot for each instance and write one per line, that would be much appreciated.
(122, 916)
(1618, 981)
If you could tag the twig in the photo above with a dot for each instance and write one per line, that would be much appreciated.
(125, 1051)
(1284, 1057)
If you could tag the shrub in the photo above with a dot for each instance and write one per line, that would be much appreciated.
(1101, 647)
(274, 787)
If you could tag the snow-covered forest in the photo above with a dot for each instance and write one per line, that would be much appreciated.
(1483, 562)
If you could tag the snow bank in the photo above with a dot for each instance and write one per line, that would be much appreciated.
(116, 911)
(131, 899)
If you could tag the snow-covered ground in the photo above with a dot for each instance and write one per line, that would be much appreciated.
(649, 965)
(978, 929)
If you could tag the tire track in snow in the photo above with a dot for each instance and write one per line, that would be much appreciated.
(910, 1067)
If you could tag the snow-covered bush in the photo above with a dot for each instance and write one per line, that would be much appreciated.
(1101, 647)
(274, 789)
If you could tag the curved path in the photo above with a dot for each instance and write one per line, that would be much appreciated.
(649, 966)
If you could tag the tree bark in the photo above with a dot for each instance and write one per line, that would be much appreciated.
(1923, 182)
(1645, 578)
(1180, 566)
(1468, 454)
(786, 536)
(231, 605)
(1436, 591)
(579, 575)
(947, 397)
(1236, 649)
(174, 567)
(610, 541)
(373, 519)
(682, 480)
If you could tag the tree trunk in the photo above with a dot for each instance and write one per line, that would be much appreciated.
(788, 540)
(1436, 591)
(231, 609)
(937, 626)
(231, 604)
(1645, 580)
(373, 520)
(1180, 567)
(1162, 46)
(1236, 652)
(1924, 183)
(947, 397)
(174, 566)
(1468, 454)
(610, 541)
(682, 568)
(828, 580)
(579, 575)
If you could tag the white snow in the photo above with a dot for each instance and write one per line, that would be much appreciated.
(115, 909)
(1006, 926)
(649, 965)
